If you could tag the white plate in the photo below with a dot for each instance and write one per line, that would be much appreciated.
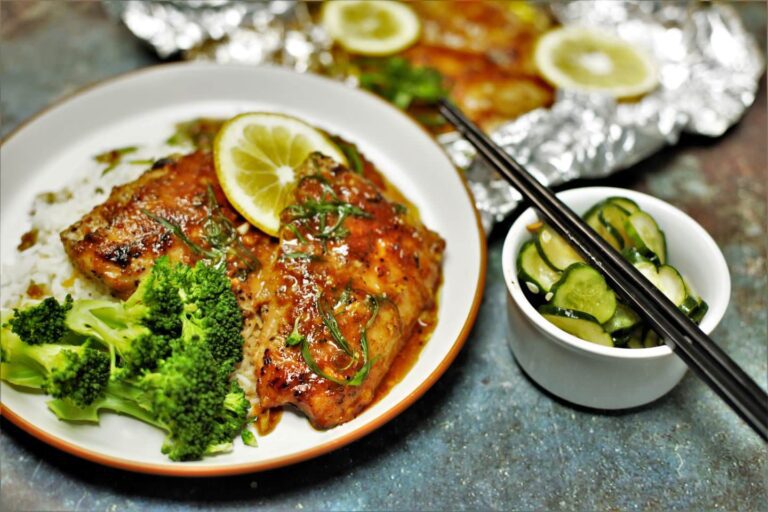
(141, 108)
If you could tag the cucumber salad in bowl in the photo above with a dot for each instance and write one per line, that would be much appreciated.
(575, 297)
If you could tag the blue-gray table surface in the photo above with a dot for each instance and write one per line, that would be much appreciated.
(484, 437)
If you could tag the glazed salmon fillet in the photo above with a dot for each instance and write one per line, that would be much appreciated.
(353, 273)
(327, 306)
(118, 242)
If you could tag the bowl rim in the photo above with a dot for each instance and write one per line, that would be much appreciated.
(714, 257)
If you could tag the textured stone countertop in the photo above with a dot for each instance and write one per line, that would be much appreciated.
(484, 437)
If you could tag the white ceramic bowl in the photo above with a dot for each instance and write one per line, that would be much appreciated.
(602, 377)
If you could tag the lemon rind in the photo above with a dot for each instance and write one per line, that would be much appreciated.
(265, 219)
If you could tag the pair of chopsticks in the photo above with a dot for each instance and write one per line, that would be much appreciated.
(684, 337)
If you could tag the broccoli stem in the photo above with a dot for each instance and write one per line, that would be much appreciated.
(107, 321)
(75, 372)
(117, 398)
(22, 375)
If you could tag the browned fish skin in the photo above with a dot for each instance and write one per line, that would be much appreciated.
(388, 254)
(117, 242)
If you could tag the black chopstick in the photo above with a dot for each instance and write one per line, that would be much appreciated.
(684, 337)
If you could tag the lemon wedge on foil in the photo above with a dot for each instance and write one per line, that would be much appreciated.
(371, 27)
(590, 60)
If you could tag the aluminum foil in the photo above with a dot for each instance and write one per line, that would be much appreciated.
(175, 26)
(278, 32)
(709, 68)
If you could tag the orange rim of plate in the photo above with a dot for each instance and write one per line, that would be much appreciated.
(321, 449)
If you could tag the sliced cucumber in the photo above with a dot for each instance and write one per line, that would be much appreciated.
(698, 314)
(691, 291)
(622, 338)
(666, 279)
(614, 218)
(688, 306)
(671, 284)
(532, 270)
(633, 255)
(619, 341)
(593, 220)
(579, 324)
(651, 339)
(555, 250)
(627, 205)
(593, 209)
(582, 288)
(647, 236)
(692, 298)
(579, 300)
(650, 272)
(622, 321)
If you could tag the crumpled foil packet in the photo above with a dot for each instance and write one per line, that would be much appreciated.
(709, 68)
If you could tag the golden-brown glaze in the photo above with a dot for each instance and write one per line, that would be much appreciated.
(485, 51)
(117, 242)
(375, 277)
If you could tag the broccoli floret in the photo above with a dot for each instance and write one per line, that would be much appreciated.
(211, 313)
(178, 338)
(120, 329)
(232, 418)
(139, 329)
(186, 396)
(81, 377)
(146, 352)
(172, 301)
(159, 294)
(42, 323)
(77, 373)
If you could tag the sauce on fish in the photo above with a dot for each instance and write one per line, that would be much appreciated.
(267, 420)
(409, 354)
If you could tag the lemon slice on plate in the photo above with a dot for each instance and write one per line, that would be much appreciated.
(371, 27)
(256, 158)
(594, 61)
